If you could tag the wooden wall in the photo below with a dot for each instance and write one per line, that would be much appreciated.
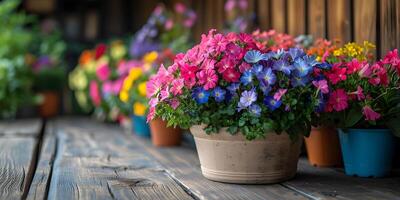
(377, 21)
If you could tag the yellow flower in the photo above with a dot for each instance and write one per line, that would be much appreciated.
(77, 79)
(142, 88)
(127, 85)
(150, 57)
(81, 98)
(118, 50)
(124, 96)
(135, 73)
(139, 109)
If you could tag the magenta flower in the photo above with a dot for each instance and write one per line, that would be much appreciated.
(94, 93)
(365, 71)
(359, 93)
(231, 75)
(208, 78)
(103, 72)
(321, 85)
(188, 73)
(180, 8)
(107, 87)
(278, 95)
(177, 86)
(174, 103)
(370, 114)
(152, 114)
(338, 100)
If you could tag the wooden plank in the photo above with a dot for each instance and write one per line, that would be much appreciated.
(296, 17)
(365, 20)
(16, 166)
(41, 180)
(278, 15)
(23, 127)
(263, 14)
(390, 25)
(96, 161)
(339, 23)
(218, 11)
(325, 183)
(183, 165)
(316, 18)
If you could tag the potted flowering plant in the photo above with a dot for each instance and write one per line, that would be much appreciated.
(365, 103)
(323, 147)
(235, 99)
(46, 61)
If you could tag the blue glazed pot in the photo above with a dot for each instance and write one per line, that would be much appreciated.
(367, 152)
(140, 126)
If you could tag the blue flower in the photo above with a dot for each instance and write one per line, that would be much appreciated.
(265, 88)
(302, 68)
(296, 53)
(310, 60)
(271, 103)
(255, 110)
(320, 104)
(324, 65)
(283, 66)
(299, 81)
(254, 56)
(247, 98)
(200, 95)
(246, 78)
(233, 87)
(256, 69)
(278, 53)
(267, 77)
(219, 94)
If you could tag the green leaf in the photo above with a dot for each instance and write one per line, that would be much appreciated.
(233, 130)
(353, 117)
(394, 125)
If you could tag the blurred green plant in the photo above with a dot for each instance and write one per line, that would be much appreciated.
(15, 76)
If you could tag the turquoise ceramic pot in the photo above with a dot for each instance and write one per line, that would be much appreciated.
(367, 152)
(140, 126)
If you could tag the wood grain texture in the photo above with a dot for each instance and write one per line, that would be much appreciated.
(316, 18)
(296, 17)
(325, 183)
(278, 15)
(21, 127)
(264, 14)
(183, 165)
(96, 161)
(16, 166)
(390, 25)
(339, 21)
(365, 21)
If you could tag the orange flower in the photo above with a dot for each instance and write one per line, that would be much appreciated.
(86, 57)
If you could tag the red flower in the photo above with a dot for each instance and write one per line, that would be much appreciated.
(231, 75)
(337, 74)
(100, 50)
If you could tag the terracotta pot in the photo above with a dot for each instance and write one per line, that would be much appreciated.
(233, 159)
(161, 135)
(323, 147)
(50, 105)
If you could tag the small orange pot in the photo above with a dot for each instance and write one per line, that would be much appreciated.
(323, 147)
(50, 105)
(161, 135)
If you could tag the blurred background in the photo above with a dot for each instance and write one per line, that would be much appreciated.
(62, 29)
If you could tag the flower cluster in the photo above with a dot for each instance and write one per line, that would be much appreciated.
(237, 17)
(273, 41)
(164, 29)
(229, 81)
(364, 94)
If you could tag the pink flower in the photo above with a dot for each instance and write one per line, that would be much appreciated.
(153, 86)
(353, 66)
(94, 93)
(365, 71)
(151, 115)
(107, 87)
(153, 102)
(379, 75)
(324, 56)
(338, 100)
(169, 24)
(177, 86)
(244, 67)
(233, 50)
(180, 8)
(208, 78)
(337, 74)
(321, 85)
(164, 93)
(225, 64)
(229, 5)
(164, 75)
(359, 93)
(208, 64)
(188, 72)
(174, 103)
(370, 114)
(103, 72)
(231, 75)
(278, 95)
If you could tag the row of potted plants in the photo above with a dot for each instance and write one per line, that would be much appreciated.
(249, 106)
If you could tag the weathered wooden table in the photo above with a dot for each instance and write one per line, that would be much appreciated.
(77, 158)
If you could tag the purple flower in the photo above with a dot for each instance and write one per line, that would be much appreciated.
(233, 87)
(219, 94)
(255, 110)
(247, 98)
(271, 103)
(256, 69)
(296, 53)
(265, 88)
(267, 77)
(302, 68)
